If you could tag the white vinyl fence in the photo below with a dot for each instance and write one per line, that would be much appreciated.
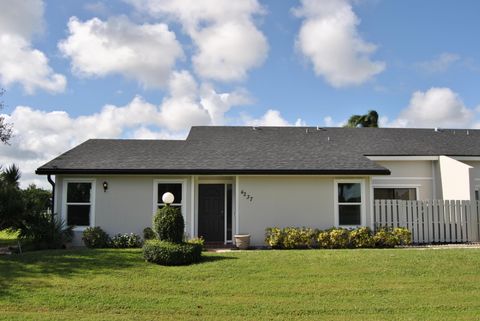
(432, 221)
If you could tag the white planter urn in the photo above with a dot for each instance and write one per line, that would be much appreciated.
(242, 241)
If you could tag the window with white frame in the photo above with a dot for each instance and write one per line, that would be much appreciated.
(349, 203)
(175, 188)
(78, 203)
(394, 193)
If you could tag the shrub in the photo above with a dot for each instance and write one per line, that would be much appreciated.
(361, 238)
(274, 237)
(45, 231)
(339, 238)
(169, 225)
(149, 234)
(403, 236)
(168, 253)
(95, 237)
(334, 238)
(199, 241)
(385, 238)
(323, 239)
(290, 237)
(123, 241)
(296, 238)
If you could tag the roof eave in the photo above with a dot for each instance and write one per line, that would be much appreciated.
(45, 171)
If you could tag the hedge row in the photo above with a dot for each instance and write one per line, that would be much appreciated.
(335, 238)
(95, 237)
(168, 253)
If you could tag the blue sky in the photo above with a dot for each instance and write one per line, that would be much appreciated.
(162, 66)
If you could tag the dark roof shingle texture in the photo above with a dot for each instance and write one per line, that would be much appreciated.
(264, 150)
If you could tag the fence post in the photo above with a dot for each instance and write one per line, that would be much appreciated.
(409, 210)
(458, 227)
(476, 221)
(435, 221)
(471, 222)
(429, 222)
(402, 213)
(448, 220)
(441, 219)
(463, 220)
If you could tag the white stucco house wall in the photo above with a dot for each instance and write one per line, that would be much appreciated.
(241, 180)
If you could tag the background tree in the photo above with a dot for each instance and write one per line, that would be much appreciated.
(37, 200)
(12, 206)
(5, 128)
(370, 119)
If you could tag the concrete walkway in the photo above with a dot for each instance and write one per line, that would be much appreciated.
(444, 246)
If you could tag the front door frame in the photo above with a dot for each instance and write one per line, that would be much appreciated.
(223, 182)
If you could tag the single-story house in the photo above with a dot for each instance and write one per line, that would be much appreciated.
(241, 180)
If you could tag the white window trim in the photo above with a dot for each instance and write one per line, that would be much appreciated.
(362, 203)
(182, 181)
(92, 200)
(415, 186)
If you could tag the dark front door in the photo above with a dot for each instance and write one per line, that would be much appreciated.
(211, 212)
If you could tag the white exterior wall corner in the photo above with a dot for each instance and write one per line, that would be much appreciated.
(456, 179)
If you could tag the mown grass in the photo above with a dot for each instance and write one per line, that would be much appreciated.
(8, 238)
(397, 284)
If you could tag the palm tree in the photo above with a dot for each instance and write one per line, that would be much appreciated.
(368, 120)
(11, 175)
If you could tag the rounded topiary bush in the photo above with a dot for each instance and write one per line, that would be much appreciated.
(95, 237)
(168, 224)
(168, 253)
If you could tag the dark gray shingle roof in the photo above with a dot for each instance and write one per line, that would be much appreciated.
(295, 150)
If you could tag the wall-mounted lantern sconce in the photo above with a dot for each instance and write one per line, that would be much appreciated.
(105, 186)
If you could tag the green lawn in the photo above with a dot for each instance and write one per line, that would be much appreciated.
(8, 238)
(400, 284)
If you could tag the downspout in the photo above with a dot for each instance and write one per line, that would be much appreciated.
(49, 178)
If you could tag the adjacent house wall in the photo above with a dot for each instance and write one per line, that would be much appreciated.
(418, 174)
(474, 176)
(455, 178)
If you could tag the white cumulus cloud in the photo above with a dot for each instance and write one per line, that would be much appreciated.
(329, 38)
(271, 118)
(22, 18)
(146, 53)
(40, 135)
(19, 61)
(228, 44)
(436, 107)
